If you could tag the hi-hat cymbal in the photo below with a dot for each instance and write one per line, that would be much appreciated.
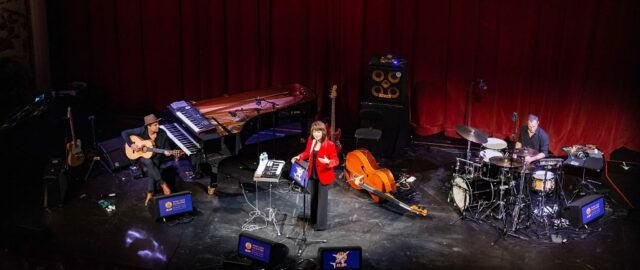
(472, 134)
(525, 152)
(495, 144)
(505, 162)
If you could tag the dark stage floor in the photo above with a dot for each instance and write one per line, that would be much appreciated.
(82, 235)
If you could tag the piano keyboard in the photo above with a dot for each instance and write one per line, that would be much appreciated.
(269, 171)
(181, 138)
(190, 116)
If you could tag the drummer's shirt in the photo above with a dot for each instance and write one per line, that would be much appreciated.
(539, 141)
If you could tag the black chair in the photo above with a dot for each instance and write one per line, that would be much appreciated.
(369, 117)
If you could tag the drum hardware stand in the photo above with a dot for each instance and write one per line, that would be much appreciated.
(584, 187)
(516, 212)
(501, 211)
(457, 174)
(542, 215)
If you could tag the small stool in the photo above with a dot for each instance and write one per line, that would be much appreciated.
(368, 133)
(368, 118)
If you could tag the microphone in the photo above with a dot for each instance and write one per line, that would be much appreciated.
(482, 85)
(514, 117)
(258, 101)
(233, 113)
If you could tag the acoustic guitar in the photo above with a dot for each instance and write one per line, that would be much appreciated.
(362, 172)
(75, 156)
(147, 150)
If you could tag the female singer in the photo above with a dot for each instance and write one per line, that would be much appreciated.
(322, 156)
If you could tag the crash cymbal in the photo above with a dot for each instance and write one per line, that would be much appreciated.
(505, 162)
(472, 134)
(525, 152)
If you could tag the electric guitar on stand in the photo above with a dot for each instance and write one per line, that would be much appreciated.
(75, 156)
(334, 135)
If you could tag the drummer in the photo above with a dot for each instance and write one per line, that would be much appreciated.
(534, 137)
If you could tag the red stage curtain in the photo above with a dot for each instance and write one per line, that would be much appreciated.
(572, 62)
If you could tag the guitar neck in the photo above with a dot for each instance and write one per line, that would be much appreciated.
(155, 150)
(73, 131)
(390, 198)
(333, 119)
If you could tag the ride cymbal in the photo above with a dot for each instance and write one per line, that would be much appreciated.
(472, 134)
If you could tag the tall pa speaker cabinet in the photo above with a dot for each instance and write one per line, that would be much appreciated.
(386, 80)
(55, 183)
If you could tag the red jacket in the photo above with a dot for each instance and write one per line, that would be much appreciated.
(324, 171)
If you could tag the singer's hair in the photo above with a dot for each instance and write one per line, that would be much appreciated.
(319, 126)
(533, 117)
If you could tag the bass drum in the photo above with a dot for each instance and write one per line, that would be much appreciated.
(466, 193)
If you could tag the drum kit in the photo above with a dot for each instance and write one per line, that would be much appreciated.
(497, 186)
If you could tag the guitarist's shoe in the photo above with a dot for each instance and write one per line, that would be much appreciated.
(165, 189)
(148, 198)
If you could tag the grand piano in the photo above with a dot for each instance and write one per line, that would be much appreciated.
(224, 124)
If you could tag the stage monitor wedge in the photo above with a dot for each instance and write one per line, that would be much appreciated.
(170, 205)
(348, 257)
(584, 210)
(261, 250)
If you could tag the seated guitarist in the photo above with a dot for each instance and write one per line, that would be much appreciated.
(151, 131)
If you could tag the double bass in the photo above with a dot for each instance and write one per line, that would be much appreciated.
(363, 172)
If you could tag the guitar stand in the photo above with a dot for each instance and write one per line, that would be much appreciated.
(95, 157)
(302, 242)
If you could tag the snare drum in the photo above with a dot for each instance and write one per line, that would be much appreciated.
(542, 185)
(469, 193)
(489, 171)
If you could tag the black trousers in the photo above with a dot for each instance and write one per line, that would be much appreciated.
(153, 171)
(319, 203)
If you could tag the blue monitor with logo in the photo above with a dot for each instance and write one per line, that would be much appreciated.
(260, 250)
(593, 210)
(299, 174)
(172, 204)
(340, 257)
(254, 249)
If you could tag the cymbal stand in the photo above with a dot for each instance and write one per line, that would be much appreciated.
(519, 202)
(542, 215)
(500, 203)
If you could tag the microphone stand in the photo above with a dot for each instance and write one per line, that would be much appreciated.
(303, 238)
(467, 117)
(258, 104)
(273, 128)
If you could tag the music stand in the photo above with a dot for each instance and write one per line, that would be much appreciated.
(299, 173)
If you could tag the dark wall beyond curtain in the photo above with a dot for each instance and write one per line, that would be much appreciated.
(574, 63)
